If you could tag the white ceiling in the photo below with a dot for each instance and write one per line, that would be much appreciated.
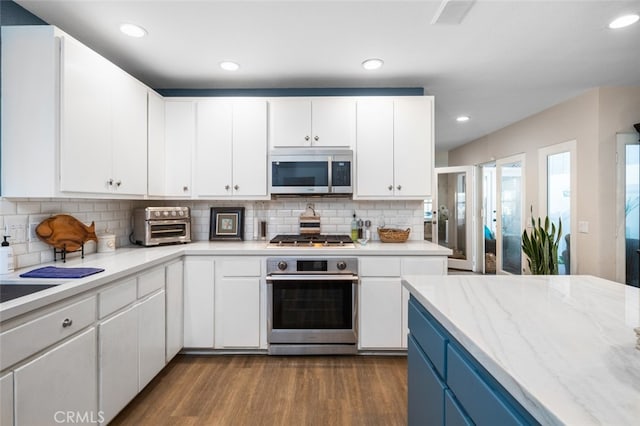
(505, 61)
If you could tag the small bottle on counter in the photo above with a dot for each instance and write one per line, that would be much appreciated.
(6, 257)
(354, 228)
(360, 229)
(367, 230)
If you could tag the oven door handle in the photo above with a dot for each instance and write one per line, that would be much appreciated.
(325, 277)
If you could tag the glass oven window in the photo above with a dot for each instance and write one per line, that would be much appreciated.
(166, 230)
(300, 173)
(319, 305)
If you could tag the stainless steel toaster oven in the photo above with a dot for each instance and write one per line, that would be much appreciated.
(153, 226)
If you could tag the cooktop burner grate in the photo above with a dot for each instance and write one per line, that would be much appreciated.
(311, 240)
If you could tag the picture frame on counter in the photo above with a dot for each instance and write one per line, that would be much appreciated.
(226, 223)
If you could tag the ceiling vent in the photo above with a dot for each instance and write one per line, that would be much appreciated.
(452, 12)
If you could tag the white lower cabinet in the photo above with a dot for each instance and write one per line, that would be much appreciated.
(59, 386)
(237, 307)
(6, 400)
(151, 337)
(118, 362)
(199, 280)
(174, 308)
(383, 299)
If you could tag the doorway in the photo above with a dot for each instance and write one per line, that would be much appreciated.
(453, 218)
(557, 198)
(486, 229)
(510, 191)
(628, 209)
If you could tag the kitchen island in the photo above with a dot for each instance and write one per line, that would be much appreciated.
(553, 350)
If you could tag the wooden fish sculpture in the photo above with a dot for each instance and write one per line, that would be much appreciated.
(66, 232)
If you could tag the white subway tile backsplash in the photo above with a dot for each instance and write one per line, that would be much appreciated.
(282, 217)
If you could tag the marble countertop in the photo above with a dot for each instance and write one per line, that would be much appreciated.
(130, 260)
(563, 346)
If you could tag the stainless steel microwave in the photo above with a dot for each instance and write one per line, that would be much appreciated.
(300, 171)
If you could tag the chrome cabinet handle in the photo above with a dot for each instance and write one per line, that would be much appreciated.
(399, 187)
(67, 323)
(185, 188)
(317, 138)
(118, 183)
(226, 187)
(306, 138)
(110, 182)
(236, 187)
(390, 187)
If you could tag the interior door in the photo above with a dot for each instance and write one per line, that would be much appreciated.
(510, 214)
(628, 209)
(453, 218)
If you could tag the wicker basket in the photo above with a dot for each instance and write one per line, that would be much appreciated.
(392, 235)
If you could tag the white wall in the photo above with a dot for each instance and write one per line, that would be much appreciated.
(592, 119)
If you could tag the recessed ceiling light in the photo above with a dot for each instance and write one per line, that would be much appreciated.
(463, 118)
(133, 30)
(624, 21)
(372, 64)
(229, 66)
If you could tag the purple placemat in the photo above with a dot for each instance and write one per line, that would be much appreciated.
(55, 272)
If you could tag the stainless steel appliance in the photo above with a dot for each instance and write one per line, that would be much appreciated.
(308, 171)
(312, 305)
(153, 226)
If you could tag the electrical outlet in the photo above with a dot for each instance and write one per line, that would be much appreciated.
(32, 232)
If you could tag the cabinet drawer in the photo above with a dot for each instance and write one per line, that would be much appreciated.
(116, 297)
(150, 281)
(426, 390)
(432, 342)
(424, 266)
(483, 404)
(454, 415)
(240, 268)
(379, 267)
(27, 339)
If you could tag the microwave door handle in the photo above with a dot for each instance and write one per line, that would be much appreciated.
(330, 171)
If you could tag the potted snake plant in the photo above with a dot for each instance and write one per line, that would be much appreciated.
(540, 245)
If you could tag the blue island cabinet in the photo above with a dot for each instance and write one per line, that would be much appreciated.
(447, 386)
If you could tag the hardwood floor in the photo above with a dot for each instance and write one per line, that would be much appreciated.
(274, 390)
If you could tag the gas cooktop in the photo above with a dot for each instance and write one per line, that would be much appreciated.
(311, 240)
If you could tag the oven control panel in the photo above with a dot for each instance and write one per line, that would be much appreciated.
(298, 265)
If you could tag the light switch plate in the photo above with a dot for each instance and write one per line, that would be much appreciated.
(583, 227)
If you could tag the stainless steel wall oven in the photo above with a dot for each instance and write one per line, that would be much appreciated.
(312, 305)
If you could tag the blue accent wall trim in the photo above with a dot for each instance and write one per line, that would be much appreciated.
(13, 14)
(329, 91)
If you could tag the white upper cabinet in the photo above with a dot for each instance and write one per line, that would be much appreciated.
(317, 122)
(103, 144)
(79, 121)
(394, 149)
(231, 149)
(155, 144)
(180, 134)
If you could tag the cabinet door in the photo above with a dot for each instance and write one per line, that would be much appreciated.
(151, 337)
(290, 122)
(333, 122)
(129, 134)
(380, 312)
(175, 304)
(179, 140)
(198, 302)
(214, 139)
(63, 379)
(237, 313)
(250, 149)
(85, 130)
(425, 389)
(374, 153)
(155, 145)
(118, 365)
(413, 147)
(6, 400)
